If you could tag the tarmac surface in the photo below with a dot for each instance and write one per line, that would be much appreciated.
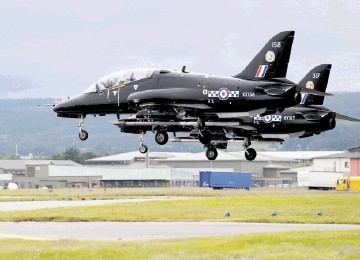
(30, 205)
(129, 231)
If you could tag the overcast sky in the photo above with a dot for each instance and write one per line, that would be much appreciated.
(58, 48)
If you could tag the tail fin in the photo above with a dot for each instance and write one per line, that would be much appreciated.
(272, 61)
(316, 79)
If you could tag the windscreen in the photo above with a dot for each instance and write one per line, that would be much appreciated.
(120, 77)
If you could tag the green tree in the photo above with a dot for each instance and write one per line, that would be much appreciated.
(74, 154)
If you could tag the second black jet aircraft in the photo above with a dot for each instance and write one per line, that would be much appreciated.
(303, 120)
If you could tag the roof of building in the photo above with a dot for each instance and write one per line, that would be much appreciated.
(135, 155)
(12, 164)
(52, 162)
(350, 155)
(21, 164)
(229, 156)
(273, 156)
(222, 156)
(275, 166)
(354, 149)
(299, 155)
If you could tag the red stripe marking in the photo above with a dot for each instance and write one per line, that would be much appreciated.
(258, 72)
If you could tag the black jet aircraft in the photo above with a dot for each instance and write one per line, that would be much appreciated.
(261, 88)
(303, 120)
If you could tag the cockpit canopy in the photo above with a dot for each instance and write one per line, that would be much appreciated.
(118, 78)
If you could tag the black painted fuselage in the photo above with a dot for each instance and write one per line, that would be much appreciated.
(166, 90)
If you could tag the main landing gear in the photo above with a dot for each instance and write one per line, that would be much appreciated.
(205, 137)
(83, 135)
(161, 137)
(250, 153)
(211, 153)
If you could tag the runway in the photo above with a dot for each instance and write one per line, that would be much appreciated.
(31, 205)
(129, 231)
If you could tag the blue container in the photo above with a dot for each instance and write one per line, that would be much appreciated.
(220, 180)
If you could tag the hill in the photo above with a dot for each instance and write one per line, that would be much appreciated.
(37, 130)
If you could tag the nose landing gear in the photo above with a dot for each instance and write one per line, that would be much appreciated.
(143, 148)
(83, 135)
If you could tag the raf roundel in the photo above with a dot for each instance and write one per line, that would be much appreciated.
(223, 94)
(267, 118)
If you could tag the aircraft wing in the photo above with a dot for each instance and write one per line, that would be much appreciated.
(347, 118)
(194, 106)
(242, 114)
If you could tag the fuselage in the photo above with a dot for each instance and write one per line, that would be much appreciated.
(307, 119)
(304, 120)
(131, 90)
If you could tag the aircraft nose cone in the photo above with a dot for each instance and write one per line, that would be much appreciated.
(61, 106)
(56, 108)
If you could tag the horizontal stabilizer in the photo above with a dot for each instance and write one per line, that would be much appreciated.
(347, 118)
(314, 92)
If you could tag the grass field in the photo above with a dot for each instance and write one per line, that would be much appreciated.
(301, 245)
(291, 205)
(244, 206)
(103, 194)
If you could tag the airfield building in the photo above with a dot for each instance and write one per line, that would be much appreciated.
(158, 169)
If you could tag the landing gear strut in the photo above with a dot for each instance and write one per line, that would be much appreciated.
(83, 135)
(205, 137)
(143, 148)
(250, 153)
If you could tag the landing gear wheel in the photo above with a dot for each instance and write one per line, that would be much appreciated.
(143, 149)
(83, 135)
(205, 137)
(211, 154)
(250, 154)
(161, 137)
